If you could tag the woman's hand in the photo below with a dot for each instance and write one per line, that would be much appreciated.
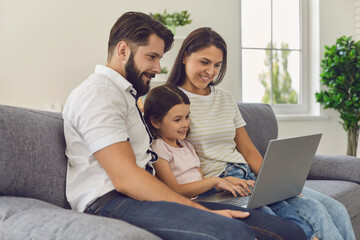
(243, 184)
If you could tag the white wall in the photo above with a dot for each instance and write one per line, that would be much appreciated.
(357, 20)
(48, 47)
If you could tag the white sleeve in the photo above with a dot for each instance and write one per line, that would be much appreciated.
(100, 116)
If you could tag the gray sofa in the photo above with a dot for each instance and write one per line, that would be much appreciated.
(33, 173)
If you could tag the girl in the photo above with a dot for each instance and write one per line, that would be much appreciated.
(199, 67)
(169, 127)
(166, 112)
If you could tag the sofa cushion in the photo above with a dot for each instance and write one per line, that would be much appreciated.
(348, 193)
(261, 124)
(328, 167)
(25, 218)
(356, 223)
(32, 155)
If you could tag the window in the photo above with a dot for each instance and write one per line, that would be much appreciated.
(272, 54)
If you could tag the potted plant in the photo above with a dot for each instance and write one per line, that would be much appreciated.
(164, 70)
(173, 20)
(341, 75)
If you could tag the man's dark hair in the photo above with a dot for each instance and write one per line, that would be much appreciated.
(135, 28)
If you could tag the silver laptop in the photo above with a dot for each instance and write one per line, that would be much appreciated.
(282, 174)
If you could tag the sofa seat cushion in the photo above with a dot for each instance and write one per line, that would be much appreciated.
(25, 218)
(348, 193)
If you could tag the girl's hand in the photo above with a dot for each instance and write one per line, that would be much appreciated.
(225, 185)
(243, 184)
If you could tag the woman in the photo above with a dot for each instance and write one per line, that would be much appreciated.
(219, 136)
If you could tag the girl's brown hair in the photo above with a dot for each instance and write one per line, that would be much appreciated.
(159, 101)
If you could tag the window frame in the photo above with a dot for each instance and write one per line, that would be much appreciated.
(302, 106)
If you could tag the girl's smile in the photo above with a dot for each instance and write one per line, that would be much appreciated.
(175, 124)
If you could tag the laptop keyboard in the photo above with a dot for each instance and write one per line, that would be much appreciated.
(240, 202)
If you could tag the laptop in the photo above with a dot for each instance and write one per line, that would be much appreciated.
(282, 175)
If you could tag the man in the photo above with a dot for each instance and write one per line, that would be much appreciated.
(108, 147)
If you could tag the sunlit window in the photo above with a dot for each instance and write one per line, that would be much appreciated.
(272, 53)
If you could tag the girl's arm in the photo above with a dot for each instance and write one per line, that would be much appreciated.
(164, 173)
(246, 147)
(118, 160)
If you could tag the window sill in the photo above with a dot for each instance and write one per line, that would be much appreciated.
(301, 117)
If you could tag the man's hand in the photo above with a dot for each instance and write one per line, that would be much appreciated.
(231, 213)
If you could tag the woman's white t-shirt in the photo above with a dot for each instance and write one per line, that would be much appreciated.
(214, 120)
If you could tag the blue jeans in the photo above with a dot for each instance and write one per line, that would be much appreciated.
(175, 221)
(331, 219)
(281, 209)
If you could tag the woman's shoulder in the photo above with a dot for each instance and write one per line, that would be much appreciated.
(221, 91)
(223, 96)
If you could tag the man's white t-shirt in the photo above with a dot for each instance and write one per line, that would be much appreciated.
(101, 111)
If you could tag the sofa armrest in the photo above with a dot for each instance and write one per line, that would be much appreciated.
(345, 168)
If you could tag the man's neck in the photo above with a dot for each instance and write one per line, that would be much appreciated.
(116, 67)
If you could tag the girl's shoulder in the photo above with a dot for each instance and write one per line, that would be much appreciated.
(162, 149)
(158, 143)
(186, 143)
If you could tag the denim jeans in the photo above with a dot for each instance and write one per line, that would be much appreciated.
(281, 209)
(328, 217)
(175, 221)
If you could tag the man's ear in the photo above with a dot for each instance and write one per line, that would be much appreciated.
(123, 50)
(155, 122)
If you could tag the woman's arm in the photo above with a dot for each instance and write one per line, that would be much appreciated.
(164, 173)
(246, 147)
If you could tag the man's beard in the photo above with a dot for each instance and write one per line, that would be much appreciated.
(134, 76)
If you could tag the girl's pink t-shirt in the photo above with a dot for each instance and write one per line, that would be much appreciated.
(183, 161)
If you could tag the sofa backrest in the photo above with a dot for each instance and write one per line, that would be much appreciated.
(32, 149)
(32, 155)
(261, 124)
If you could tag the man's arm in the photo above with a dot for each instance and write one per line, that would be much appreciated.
(118, 160)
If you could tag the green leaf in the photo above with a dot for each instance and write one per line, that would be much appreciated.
(173, 19)
(341, 75)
